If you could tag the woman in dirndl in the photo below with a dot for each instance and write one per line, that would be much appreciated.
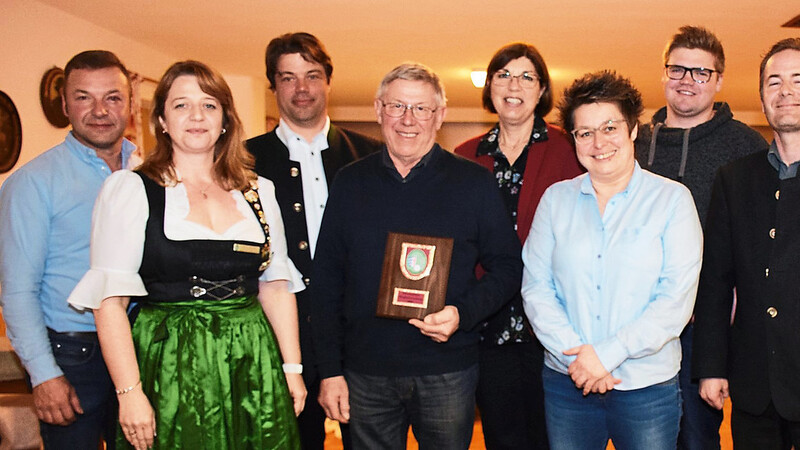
(195, 241)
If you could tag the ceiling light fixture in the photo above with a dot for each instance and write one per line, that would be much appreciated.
(478, 78)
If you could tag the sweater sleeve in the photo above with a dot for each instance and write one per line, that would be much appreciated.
(499, 254)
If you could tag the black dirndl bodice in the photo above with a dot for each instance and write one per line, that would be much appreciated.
(200, 269)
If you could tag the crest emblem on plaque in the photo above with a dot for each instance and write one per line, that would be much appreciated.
(416, 260)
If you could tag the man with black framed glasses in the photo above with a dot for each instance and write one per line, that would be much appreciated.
(687, 141)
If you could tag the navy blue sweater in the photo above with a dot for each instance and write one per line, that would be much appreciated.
(447, 196)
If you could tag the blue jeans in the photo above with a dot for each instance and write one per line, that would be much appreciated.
(700, 422)
(646, 418)
(82, 363)
(440, 409)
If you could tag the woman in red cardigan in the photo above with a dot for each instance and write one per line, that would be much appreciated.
(526, 155)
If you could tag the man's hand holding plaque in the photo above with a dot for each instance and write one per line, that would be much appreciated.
(439, 326)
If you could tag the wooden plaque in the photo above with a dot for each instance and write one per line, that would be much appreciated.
(414, 276)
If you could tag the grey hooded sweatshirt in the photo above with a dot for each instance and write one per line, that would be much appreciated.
(692, 155)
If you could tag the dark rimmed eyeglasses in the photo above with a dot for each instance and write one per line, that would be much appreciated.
(699, 74)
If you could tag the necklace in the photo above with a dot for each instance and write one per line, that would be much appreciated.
(202, 190)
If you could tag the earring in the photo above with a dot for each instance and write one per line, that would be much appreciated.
(224, 131)
(163, 131)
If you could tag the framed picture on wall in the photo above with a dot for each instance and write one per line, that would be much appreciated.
(10, 133)
(50, 92)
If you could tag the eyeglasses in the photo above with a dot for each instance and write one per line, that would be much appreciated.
(526, 80)
(587, 135)
(397, 109)
(699, 74)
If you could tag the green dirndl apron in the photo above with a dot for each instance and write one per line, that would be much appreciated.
(213, 374)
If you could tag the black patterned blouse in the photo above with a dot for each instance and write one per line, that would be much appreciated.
(509, 324)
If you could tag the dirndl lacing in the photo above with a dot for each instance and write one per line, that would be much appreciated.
(217, 290)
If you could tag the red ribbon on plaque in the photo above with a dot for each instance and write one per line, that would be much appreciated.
(414, 276)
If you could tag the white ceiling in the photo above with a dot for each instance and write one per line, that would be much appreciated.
(366, 38)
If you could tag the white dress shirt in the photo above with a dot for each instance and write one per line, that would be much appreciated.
(315, 186)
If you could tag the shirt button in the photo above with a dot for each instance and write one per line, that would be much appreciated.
(308, 318)
(307, 281)
(772, 311)
(294, 172)
(772, 233)
(766, 273)
(778, 194)
(599, 256)
(598, 287)
(302, 245)
(297, 207)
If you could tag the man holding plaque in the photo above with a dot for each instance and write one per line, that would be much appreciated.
(402, 232)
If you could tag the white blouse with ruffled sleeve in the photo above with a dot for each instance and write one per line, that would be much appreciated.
(118, 229)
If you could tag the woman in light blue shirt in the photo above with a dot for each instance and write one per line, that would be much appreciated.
(611, 268)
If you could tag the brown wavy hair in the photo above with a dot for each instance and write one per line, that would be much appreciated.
(232, 162)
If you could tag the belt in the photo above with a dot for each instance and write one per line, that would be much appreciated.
(82, 335)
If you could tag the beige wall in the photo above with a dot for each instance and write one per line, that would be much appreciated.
(36, 37)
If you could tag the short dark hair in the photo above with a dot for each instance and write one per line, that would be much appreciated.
(601, 87)
(700, 38)
(509, 53)
(95, 60)
(306, 44)
(785, 44)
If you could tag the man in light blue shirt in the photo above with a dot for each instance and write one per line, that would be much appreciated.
(45, 218)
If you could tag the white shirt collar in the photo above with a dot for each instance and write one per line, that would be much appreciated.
(286, 134)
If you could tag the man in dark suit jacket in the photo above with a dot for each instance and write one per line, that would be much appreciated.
(752, 244)
(301, 157)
